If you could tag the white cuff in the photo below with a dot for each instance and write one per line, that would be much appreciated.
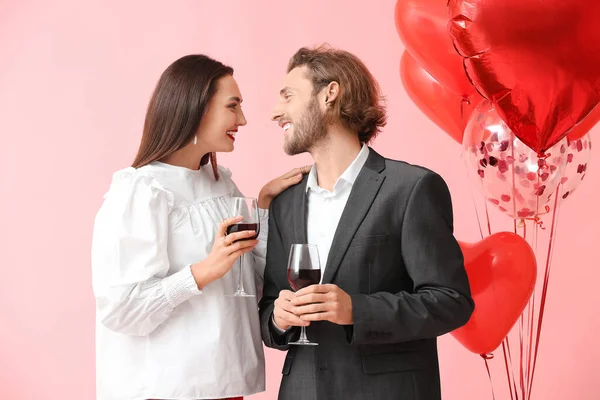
(278, 329)
(180, 286)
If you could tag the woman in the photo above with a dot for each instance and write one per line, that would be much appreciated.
(161, 258)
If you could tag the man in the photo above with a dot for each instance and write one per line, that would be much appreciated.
(393, 273)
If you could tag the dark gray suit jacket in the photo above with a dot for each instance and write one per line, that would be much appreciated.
(395, 254)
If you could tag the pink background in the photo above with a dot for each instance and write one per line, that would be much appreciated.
(74, 83)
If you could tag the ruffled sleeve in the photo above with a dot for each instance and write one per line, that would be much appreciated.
(133, 293)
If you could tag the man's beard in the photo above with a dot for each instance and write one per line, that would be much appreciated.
(309, 130)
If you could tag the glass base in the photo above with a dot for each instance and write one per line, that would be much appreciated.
(240, 293)
(303, 343)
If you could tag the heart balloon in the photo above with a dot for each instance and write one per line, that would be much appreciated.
(582, 128)
(447, 110)
(502, 271)
(422, 26)
(537, 61)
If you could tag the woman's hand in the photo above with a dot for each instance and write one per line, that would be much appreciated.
(226, 249)
(278, 185)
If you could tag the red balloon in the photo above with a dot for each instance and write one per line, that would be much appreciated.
(422, 26)
(537, 61)
(447, 110)
(502, 271)
(582, 128)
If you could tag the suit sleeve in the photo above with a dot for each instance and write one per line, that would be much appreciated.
(275, 274)
(441, 298)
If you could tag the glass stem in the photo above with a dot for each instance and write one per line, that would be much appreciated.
(241, 282)
(303, 337)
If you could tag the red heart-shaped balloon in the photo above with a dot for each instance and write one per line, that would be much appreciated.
(583, 128)
(502, 271)
(447, 110)
(539, 63)
(423, 27)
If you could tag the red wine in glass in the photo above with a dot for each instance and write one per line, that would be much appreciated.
(304, 269)
(244, 227)
(303, 278)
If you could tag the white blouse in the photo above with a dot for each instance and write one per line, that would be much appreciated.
(157, 335)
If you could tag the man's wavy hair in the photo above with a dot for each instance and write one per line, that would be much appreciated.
(359, 105)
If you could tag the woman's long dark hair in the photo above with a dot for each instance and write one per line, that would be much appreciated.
(178, 103)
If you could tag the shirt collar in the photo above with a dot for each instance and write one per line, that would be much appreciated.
(348, 176)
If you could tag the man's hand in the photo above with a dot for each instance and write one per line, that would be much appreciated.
(323, 303)
(282, 313)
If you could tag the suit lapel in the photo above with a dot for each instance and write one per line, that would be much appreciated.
(361, 198)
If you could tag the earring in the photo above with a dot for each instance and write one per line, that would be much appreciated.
(195, 139)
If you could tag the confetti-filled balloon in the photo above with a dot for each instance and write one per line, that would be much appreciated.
(578, 156)
(510, 174)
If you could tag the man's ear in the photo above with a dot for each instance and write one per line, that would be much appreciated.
(331, 92)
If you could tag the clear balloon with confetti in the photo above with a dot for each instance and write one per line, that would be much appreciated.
(511, 175)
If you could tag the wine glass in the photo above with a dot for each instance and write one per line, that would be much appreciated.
(304, 269)
(247, 208)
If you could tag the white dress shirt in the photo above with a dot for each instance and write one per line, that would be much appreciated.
(325, 208)
(157, 335)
